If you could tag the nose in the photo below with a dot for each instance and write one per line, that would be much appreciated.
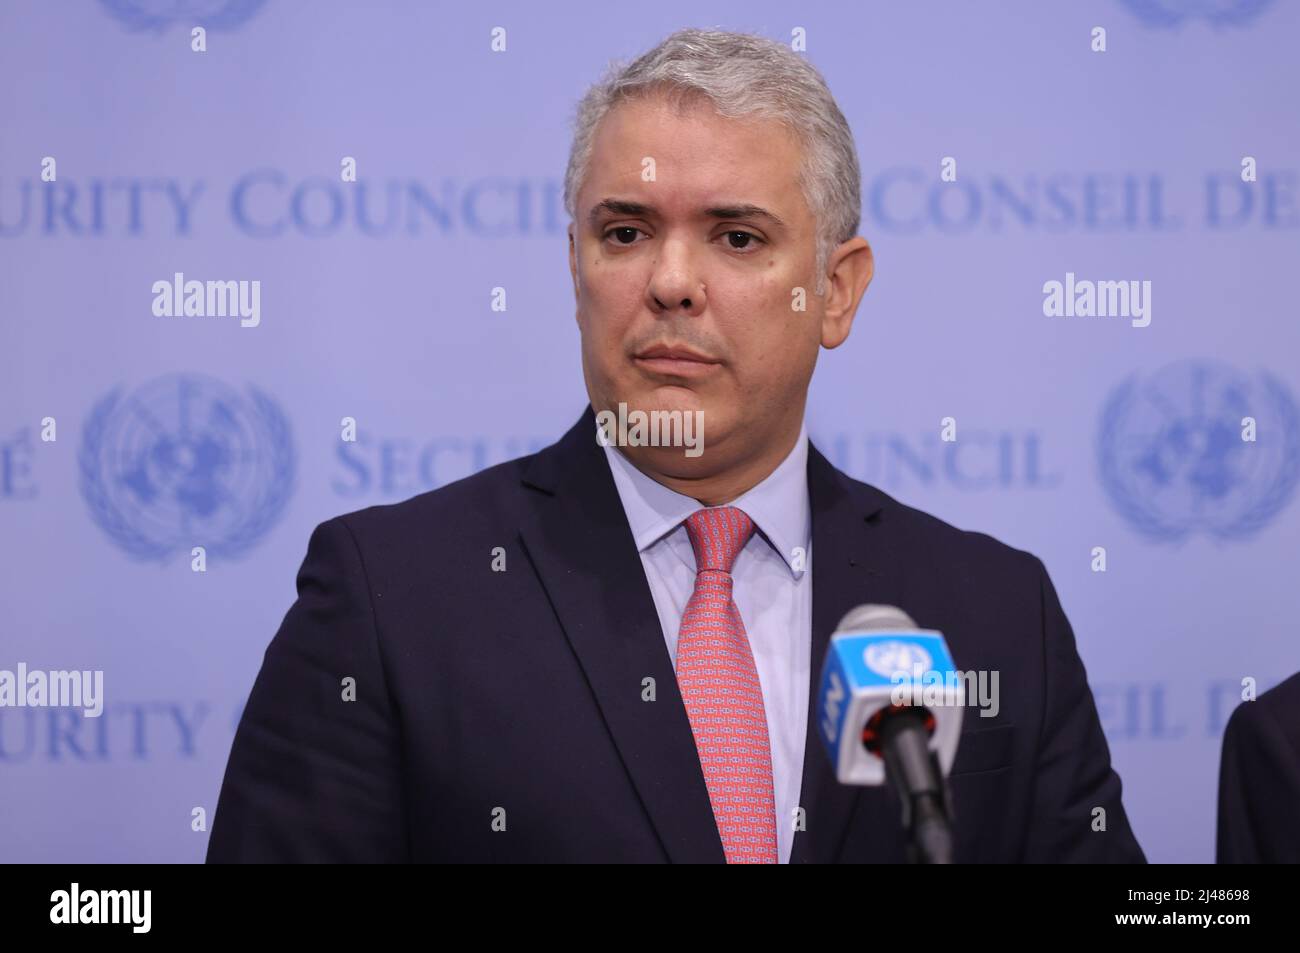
(674, 281)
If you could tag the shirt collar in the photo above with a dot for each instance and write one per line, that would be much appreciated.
(778, 505)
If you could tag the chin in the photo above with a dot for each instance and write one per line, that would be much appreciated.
(672, 461)
(667, 397)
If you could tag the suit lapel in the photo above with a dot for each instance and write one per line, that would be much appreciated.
(579, 542)
(851, 565)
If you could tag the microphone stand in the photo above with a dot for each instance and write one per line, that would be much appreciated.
(913, 769)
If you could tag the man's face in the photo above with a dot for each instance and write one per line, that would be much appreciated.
(687, 262)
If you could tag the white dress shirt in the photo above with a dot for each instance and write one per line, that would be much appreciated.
(772, 588)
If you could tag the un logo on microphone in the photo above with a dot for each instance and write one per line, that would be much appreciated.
(893, 658)
(1173, 460)
(186, 461)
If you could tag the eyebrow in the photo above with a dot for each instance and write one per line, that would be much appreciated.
(742, 210)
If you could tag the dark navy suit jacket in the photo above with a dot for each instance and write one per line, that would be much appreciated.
(518, 695)
(1259, 780)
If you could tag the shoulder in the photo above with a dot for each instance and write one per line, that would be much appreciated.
(994, 602)
(924, 538)
(1276, 710)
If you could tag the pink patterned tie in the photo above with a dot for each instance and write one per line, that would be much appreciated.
(724, 700)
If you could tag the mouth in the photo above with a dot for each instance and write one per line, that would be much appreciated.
(675, 361)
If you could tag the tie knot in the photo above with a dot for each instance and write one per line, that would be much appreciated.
(718, 534)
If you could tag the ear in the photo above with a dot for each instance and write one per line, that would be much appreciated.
(573, 262)
(848, 272)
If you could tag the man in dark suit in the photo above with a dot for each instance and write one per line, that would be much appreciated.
(607, 651)
(1259, 780)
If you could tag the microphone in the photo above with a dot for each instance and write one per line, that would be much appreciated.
(879, 668)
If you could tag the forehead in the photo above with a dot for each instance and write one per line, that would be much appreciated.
(698, 155)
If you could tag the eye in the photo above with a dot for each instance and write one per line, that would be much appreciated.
(747, 240)
(624, 232)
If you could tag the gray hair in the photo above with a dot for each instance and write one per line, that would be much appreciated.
(742, 76)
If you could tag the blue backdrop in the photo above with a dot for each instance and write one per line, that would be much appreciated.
(1132, 164)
